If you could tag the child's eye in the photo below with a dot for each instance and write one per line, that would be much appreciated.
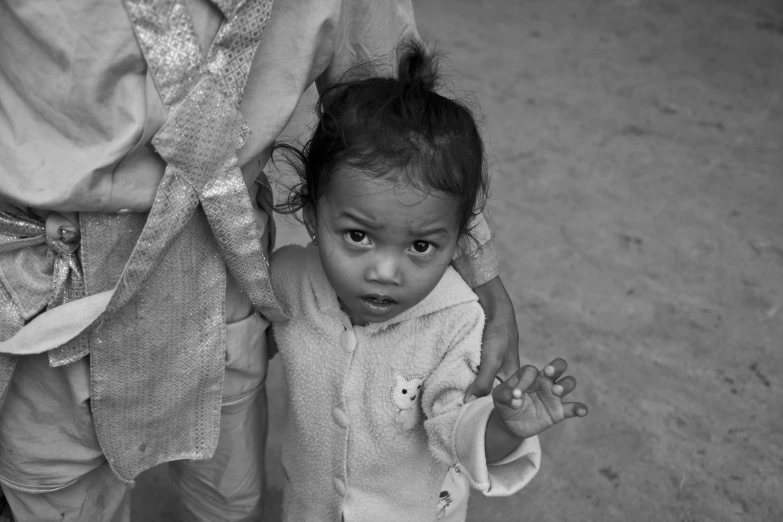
(357, 237)
(422, 247)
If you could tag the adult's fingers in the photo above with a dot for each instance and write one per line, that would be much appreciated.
(500, 343)
(496, 361)
(483, 384)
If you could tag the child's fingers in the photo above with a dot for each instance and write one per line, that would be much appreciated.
(522, 378)
(574, 409)
(502, 395)
(515, 386)
(555, 369)
(564, 386)
(528, 377)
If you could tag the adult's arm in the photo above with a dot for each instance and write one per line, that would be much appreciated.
(478, 265)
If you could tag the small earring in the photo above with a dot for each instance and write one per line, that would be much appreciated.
(315, 241)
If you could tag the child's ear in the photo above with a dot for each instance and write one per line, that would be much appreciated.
(310, 221)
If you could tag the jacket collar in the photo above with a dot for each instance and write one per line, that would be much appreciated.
(450, 291)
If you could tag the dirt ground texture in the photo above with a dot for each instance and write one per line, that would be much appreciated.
(636, 152)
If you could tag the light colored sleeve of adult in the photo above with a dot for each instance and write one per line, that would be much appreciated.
(368, 34)
(286, 273)
(476, 261)
(457, 431)
(317, 41)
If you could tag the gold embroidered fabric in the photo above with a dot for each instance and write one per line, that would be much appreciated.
(200, 139)
(10, 321)
(25, 266)
(157, 355)
(157, 363)
(41, 272)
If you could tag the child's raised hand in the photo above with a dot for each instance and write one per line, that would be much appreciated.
(531, 401)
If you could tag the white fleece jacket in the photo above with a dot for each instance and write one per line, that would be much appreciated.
(375, 414)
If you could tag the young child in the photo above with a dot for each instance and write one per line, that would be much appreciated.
(382, 336)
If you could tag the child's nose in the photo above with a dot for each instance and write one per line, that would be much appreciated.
(386, 270)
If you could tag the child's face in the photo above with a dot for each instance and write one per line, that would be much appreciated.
(384, 245)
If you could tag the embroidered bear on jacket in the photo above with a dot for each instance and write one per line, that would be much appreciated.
(407, 398)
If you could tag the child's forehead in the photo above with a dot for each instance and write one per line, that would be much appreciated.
(392, 184)
(350, 182)
(389, 197)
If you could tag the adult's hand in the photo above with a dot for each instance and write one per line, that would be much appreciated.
(500, 346)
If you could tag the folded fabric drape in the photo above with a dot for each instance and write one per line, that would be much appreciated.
(66, 283)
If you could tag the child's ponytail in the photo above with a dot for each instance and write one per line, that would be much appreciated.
(418, 68)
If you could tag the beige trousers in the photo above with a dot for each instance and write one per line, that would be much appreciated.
(52, 468)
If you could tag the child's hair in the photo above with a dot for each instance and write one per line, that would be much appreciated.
(394, 126)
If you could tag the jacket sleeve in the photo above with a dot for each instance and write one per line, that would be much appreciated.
(456, 431)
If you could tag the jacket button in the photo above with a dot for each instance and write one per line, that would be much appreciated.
(339, 486)
(340, 418)
(348, 341)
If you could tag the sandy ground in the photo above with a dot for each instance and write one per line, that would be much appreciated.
(637, 178)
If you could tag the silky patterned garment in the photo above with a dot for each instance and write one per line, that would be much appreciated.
(24, 240)
(199, 143)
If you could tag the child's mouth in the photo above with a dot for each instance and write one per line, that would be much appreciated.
(378, 304)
